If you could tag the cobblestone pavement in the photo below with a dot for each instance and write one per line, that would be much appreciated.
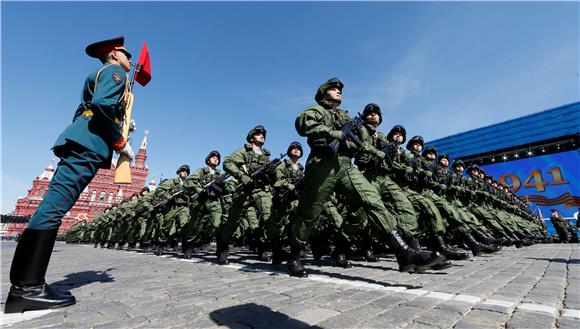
(531, 287)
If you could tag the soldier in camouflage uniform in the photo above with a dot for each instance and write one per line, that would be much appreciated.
(289, 178)
(135, 221)
(327, 171)
(427, 203)
(175, 214)
(206, 208)
(253, 198)
(460, 194)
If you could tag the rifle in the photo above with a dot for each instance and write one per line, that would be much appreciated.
(286, 193)
(213, 184)
(390, 151)
(266, 169)
(163, 203)
(348, 132)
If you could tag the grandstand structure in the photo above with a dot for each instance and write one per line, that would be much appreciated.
(536, 155)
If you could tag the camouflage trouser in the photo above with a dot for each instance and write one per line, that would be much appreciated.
(454, 220)
(325, 174)
(162, 228)
(487, 218)
(250, 210)
(280, 218)
(333, 226)
(398, 204)
(206, 218)
(430, 219)
(119, 231)
(133, 228)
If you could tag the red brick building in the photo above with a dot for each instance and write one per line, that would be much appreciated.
(98, 195)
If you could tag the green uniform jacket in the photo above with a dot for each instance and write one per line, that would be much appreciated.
(244, 161)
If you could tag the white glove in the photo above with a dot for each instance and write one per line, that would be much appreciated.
(128, 150)
(132, 126)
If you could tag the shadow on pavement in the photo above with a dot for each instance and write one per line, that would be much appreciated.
(78, 279)
(558, 260)
(255, 316)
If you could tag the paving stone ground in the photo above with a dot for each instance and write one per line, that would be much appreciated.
(531, 287)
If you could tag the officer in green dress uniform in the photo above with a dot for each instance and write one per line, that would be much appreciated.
(86, 145)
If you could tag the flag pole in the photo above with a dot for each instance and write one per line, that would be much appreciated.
(135, 71)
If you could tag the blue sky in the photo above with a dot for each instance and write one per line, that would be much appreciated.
(220, 68)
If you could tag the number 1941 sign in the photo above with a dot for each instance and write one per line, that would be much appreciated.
(551, 181)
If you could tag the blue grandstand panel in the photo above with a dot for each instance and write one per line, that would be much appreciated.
(553, 123)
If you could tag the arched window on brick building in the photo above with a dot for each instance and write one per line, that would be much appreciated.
(93, 195)
(110, 200)
(102, 197)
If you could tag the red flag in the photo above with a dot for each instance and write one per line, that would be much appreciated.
(143, 76)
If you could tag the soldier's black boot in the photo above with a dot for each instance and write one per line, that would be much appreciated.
(478, 248)
(29, 291)
(411, 260)
(318, 249)
(222, 253)
(339, 256)
(278, 253)
(367, 252)
(263, 254)
(483, 239)
(369, 256)
(295, 267)
(186, 249)
(449, 253)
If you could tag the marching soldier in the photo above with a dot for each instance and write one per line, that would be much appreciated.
(175, 214)
(253, 200)
(327, 171)
(289, 178)
(83, 147)
(206, 210)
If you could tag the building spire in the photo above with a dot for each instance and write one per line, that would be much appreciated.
(144, 142)
(48, 171)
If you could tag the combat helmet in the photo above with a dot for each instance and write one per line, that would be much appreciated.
(295, 145)
(398, 128)
(457, 163)
(414, 139)
(443, 156)
(211, 154)
(471, 167)
(253, 131)
(332, 82)
(429, 149)
(372, 107)
(183, 168)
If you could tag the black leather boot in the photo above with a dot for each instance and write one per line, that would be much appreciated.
(295, 267)
(29, 291)
(369, 256)
(222, 253)
(411, 260)
(483, 239)
(339, 257)
(278, 253)
(186, 249)
(478, 248)
(449, 253)
(263, 254)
